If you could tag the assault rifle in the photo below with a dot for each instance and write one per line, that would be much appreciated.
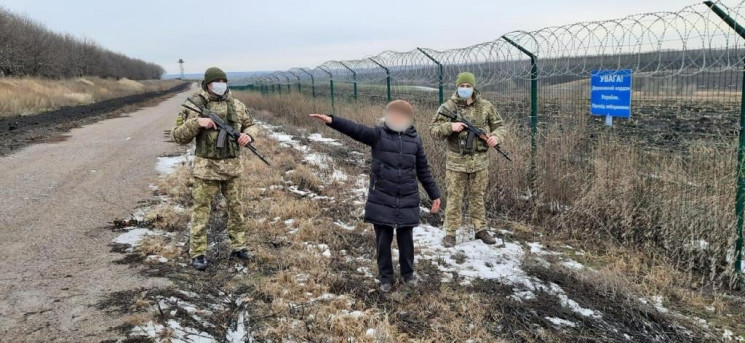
(473, 131)
(225, 128)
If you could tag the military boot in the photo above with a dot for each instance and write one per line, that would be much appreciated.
(199, 262)
(241, 254)
(448, 241)
(485, 237)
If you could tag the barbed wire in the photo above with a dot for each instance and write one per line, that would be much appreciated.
(690, 41)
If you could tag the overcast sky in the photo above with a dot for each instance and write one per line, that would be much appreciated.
(277, 35)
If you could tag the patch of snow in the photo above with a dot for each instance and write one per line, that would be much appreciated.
(166, 165)
(571, 304)
(561, 322)
(133, 236)
(344, 226)
(538, 249)
(317, 137)
(339, 175)
(473, 259)
(239, 334)
(523, 295)
(728, 335)
(320, 160)
(156, 258)
(572, 264)
(281, 137)
(370, 332)
(656, 302)
(365, 271)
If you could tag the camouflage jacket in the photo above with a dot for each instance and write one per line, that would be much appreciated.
(187, 129)
(484, 116)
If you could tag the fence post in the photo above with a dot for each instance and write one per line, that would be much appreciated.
(299, 88)
(354, 78)
(331, 86)
(312, 82)
(387, 79)
(289, 84)
(279, 84)
(533, 109)
(740, 197)
(440, 77)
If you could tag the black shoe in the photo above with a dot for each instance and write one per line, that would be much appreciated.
(199, 262)
(242, 254)
(411, 281)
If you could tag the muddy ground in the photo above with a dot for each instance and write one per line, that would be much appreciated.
(20, 131)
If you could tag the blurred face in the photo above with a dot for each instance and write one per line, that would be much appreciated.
(398, 121)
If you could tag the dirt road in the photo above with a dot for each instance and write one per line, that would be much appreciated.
(56, 199)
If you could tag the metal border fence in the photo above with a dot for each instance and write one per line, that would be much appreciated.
(691, 55)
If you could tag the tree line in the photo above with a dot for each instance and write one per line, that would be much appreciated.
(28, 48)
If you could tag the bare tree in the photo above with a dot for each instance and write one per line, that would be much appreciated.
(27, 48)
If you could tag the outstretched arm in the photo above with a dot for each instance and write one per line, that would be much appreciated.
(361, 133)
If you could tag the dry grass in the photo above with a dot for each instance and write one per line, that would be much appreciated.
(168, 217)
(298, 294)
(23, 96)
(675, 205)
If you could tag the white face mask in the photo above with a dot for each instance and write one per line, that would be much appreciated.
(219, 88)
(465, 92)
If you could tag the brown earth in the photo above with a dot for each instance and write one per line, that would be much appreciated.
(55, 200)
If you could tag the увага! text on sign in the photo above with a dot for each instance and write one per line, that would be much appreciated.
(610, 93)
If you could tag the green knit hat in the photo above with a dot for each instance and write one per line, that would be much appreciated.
(466, 78)
(213, 74)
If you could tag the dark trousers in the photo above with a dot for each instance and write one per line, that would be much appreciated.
(405, 239)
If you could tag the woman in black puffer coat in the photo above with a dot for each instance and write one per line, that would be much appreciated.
(398, 164)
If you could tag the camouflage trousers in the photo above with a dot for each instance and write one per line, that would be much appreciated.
(204, 193)
(458, 183)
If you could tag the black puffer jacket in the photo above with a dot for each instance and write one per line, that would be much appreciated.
(398, 160)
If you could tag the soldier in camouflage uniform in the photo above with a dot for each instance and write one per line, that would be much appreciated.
(467, 166)
(215, 169)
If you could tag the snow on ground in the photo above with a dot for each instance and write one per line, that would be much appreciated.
(474, 259)
(178, 333)
(167, 165)
(470, 259)
(656, 302)
(133, 236)
(561, 322)
(316, 137)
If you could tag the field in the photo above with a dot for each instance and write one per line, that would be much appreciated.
(313, 275)
(27, 95)
(21, 130)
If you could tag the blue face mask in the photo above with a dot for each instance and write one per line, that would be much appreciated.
(465, 92)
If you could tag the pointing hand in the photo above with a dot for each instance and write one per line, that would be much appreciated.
(322, 117)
